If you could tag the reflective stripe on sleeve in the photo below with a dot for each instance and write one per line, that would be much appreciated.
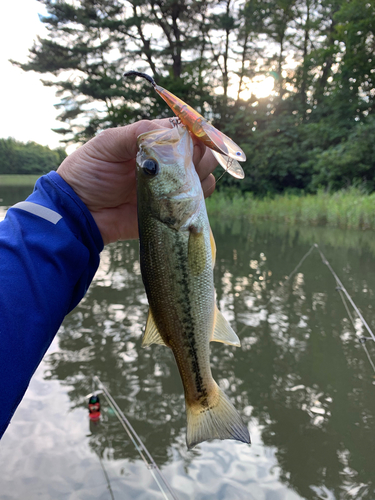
(39, 210)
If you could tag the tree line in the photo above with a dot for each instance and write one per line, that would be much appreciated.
(316, 128)
(31, 158)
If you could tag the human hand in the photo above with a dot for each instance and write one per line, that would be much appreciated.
(102, 173)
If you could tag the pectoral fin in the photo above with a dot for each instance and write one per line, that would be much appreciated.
(223, 332)
(152, 335)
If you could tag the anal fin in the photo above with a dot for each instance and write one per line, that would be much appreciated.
(223, 332)
(152, 335)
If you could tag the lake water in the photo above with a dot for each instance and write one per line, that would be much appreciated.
(301, 380)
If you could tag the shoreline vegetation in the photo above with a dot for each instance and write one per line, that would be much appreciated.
(18, 179)
(20, 158)
(347, 209)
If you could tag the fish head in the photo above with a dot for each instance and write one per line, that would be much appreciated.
(168, 185)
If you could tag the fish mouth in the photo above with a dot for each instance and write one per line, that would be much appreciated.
(162, 145)
(160, 137)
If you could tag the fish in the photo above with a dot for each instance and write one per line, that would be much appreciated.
(177, 257)
(226, 151)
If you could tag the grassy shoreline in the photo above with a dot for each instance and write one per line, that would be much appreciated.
(348, 209)
(18, 180)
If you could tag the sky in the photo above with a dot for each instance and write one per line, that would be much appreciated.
(27, 110)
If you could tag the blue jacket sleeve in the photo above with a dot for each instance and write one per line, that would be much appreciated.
(49, 253)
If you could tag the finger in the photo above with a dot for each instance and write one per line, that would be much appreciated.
(120, 144)
(204, 161)
(208, 185)
(117, 223)
(199, 151)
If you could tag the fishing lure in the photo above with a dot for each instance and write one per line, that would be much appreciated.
(224, 149)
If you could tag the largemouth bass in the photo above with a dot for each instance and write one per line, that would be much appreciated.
(177, 256)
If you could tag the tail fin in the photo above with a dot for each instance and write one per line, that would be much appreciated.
(218, 421)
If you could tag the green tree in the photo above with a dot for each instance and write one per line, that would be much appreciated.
(319, 52)
(31, 158)
(351, 162)
(91, 43)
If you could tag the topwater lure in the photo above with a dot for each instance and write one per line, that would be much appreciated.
(223, 148)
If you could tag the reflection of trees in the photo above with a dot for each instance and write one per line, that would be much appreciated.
(10, 195)
(306, 375)
(102, 336)
(301, 373)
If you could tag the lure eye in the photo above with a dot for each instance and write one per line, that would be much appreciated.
(150, 167)
(238, 153)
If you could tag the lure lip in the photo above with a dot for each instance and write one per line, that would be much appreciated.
(229, 165)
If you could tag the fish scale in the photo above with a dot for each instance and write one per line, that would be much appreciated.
(171, 295)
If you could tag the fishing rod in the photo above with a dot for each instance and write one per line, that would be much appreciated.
(343, 289)
(292, 273)
(363, 339)
(281, 286)
(340, 287)
(107, 478)
(343, 293)
(137, 442)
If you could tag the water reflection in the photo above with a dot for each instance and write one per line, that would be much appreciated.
(9, 195)
(300, 379)
(301, 375)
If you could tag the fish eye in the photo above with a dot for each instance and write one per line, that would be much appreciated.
(238, 153)
(150, 167)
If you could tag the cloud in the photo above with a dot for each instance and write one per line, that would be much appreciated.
(27, 107)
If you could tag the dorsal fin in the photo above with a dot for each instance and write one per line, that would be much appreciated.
(213, 248)
(223, 332)
(152, 335)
